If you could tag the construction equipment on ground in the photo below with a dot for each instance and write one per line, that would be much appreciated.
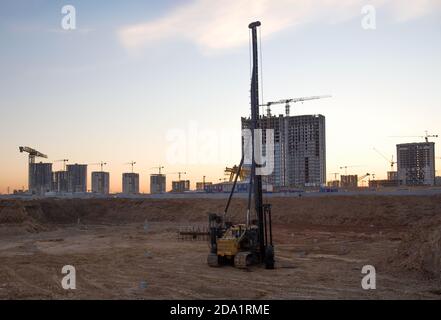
(64, 163)
(243, 173)
(193, 233)
(101, 164)
(391, 161)
(288, 101)
(248, 243)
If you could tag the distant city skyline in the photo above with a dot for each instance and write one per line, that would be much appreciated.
(132, 73)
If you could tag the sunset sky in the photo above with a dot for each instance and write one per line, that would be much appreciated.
(137, 79)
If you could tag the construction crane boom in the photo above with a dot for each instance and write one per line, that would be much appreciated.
(64, 163)
(391, 162)
(346, 168)
(179, 173)
(132, 164)
(32, 153)
(292, 100)
(425, 137)
(363, 176)
(159, 168)
(101, 164)
(335, 175)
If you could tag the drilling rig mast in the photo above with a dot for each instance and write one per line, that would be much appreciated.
(251, 243)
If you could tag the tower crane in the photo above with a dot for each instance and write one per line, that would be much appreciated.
(437, 170)
(335, 175)
(159, 168)
(101, 164)
(363, 176)
(64, 163)
(426, 136)
(346, 168)
(288, 101)
(179, 173)
(32, 153)
(132, 164)
(391, 162)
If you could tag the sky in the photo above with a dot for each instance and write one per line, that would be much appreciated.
(166, 82)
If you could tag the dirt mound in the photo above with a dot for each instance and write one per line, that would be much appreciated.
(382, 211)
(16, 217)
(420, 249)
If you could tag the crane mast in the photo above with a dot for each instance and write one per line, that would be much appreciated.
(32, 155)
(101, 164)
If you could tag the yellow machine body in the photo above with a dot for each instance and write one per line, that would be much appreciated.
(228, 245)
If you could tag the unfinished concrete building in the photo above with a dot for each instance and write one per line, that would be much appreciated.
(76, 178)
(157, 183)
(40, 178)
(130, 183)
(180, 186)
(383, 183)
(416, 163)
(349, 181)
(333, 183)
(392, 175)
(299, 149)
(201, 186)
(60, 181)
(100, 182)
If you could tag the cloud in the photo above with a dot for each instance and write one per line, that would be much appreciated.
(217, 25)
(409, 10)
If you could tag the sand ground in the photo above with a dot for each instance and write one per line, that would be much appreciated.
(119, 258)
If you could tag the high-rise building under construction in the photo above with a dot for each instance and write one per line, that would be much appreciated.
(157, 183)
(416, 163)
(100, 182)
(130, 183)
(299, 149)
(77, 178)
(60, 180)
(40, 178)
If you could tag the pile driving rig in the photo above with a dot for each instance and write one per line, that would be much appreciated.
(251, 243)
